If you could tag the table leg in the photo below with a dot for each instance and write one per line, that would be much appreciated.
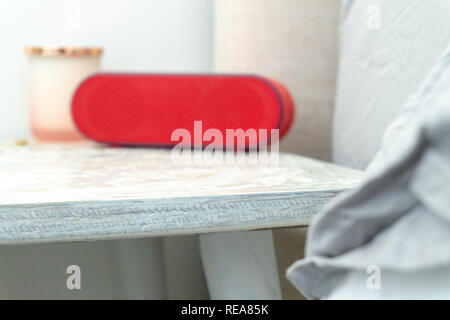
(240, 265)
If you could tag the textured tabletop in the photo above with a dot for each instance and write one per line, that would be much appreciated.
(86, 192)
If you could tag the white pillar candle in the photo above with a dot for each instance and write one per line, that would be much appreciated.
(55, 73)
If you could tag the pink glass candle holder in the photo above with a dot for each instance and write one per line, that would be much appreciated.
(55, 73)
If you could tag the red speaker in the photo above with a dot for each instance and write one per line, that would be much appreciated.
(147, 109)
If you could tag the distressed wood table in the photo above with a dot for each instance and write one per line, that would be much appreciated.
(52, 193)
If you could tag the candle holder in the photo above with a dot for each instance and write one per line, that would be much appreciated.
(55, 73)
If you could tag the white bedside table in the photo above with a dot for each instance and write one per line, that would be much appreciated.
(73, 192)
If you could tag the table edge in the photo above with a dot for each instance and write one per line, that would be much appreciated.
(137, 218)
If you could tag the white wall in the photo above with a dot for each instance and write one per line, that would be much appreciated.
(138, 35)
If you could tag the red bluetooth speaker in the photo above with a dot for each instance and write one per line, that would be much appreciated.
(146, 109)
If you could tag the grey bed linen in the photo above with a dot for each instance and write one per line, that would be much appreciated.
(380, 68)
(398, 219)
